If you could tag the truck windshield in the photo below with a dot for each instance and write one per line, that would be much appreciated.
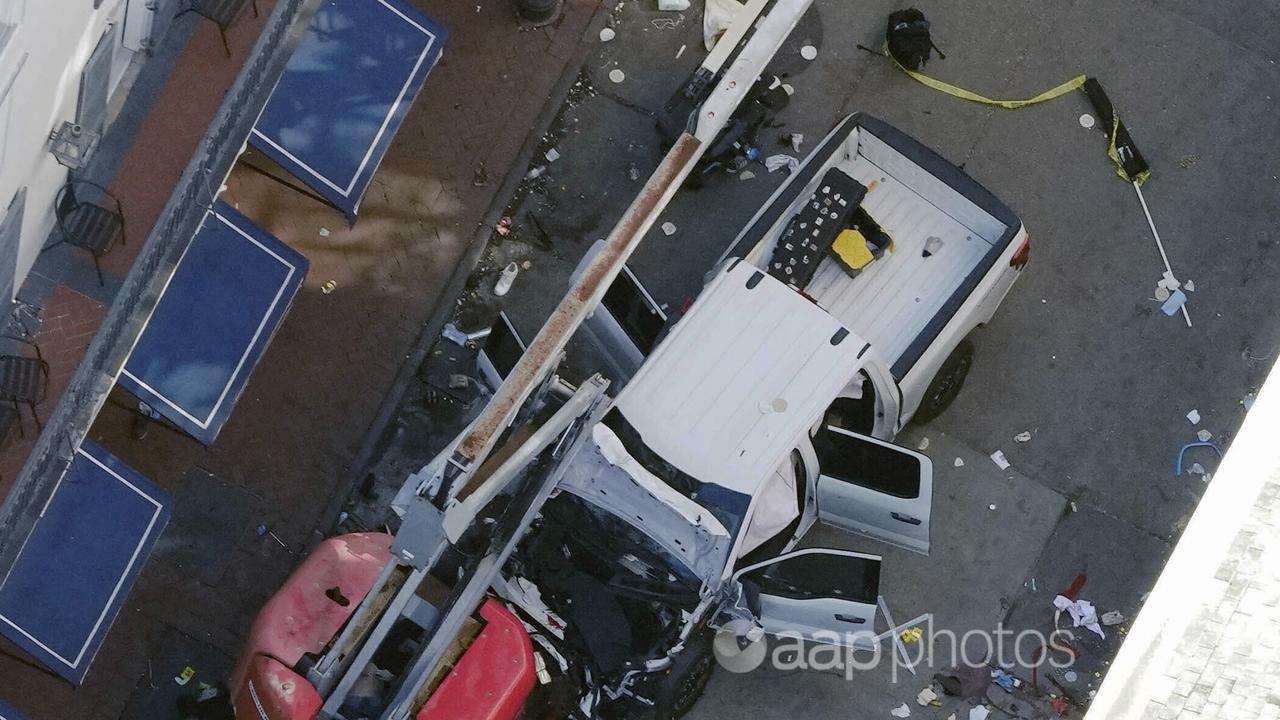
(728, 506)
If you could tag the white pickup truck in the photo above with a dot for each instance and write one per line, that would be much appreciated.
(956, 252)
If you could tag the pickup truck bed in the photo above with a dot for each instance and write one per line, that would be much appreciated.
(901, 301)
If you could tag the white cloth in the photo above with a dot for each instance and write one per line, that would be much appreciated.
(775, 507)
(716, 18)
(1083, 613)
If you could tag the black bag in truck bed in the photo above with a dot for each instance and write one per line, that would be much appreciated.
(812, 231)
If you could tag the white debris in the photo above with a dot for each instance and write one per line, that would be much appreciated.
(901, 711)
(746, 175)
(1196, 469)
(1086, 121)
(607, 34)
(796, 140)
(506, 279)
(680, 51)
(1189, 286)
(926, 696)
(673, 5)
(1022, 437)
(979, 712)
(809, 52)
(1193, 417)
(617, 76)
(1082, 612)
(1115, 617)
(1070, 676)
(959, 462)
(324, 232)
(1162, 293)
(669, 228)
(992, 506)
(1204, 435)
(553, 155)
(1000, 460)
(1170, 281)
(923, 444)
(781, 160)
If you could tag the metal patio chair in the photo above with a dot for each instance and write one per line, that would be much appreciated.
(221, 12)
(24, 379)
(86, 224)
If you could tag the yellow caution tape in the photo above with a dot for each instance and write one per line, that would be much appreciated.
(1115, 156)
(1074, 83)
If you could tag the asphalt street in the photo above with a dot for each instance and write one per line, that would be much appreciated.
(1079, 355)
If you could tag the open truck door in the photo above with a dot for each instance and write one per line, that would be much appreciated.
(826, 596)
(873, 487)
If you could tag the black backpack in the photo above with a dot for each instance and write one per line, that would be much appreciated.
(908, 39)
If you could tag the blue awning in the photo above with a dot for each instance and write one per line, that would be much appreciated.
(80, 561)
(215, 318)
(9, 712)
(345, 92)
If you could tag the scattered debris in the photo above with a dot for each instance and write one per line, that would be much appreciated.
(979, 712)
(1082, 612)
(481, 177)
(1031, 584)
(923, 444)
(959, 462)
(1060, 705)
(1204, 435)
(1005, 679)
(781, 160)
(809, 52)
(926, 696)
(1070, 676)
(451, 333)
(1115, 617)
(901, 711)
(616, 75)
(680, 51)
(1189, 286)
(795, 140)
(1162, 292)
(506, 279)
(324, 232)
(458, 380)
(1000, 460)
(535, 172)
(633, 172)
(1247, 401)
(553, 155)
(1074, 507)
(526, 264)
(1194, 417)
(669, 228)
(673, 5)
(992, 506)
(1086, 121)
(329, 286)
(504, 226)
(746, 175)
(185, 676)
(1175, 302)
(1196, 469)
(912, 634)
(1188, 160)
(1182, 453)
(1022, 437)
(607, 34)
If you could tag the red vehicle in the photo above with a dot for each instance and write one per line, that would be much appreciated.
(492, 677)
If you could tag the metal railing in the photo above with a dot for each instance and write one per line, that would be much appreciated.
(87, 391)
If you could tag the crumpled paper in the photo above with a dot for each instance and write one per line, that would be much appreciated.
(1083, 613)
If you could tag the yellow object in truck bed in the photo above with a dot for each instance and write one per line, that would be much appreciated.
(850, 249)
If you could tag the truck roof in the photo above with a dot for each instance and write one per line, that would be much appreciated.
(740, 379)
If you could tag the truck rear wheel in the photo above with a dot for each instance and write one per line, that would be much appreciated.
(946, 385)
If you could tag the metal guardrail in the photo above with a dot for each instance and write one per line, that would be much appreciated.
(87, 391)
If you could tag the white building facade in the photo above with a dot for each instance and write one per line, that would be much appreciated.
(60, 61)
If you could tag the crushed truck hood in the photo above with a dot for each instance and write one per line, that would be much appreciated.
(604, 474)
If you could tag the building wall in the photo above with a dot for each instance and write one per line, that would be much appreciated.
(47, 44)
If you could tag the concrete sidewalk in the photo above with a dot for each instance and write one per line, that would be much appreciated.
(293, 441)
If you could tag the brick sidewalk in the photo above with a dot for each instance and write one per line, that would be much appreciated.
(290, 445)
